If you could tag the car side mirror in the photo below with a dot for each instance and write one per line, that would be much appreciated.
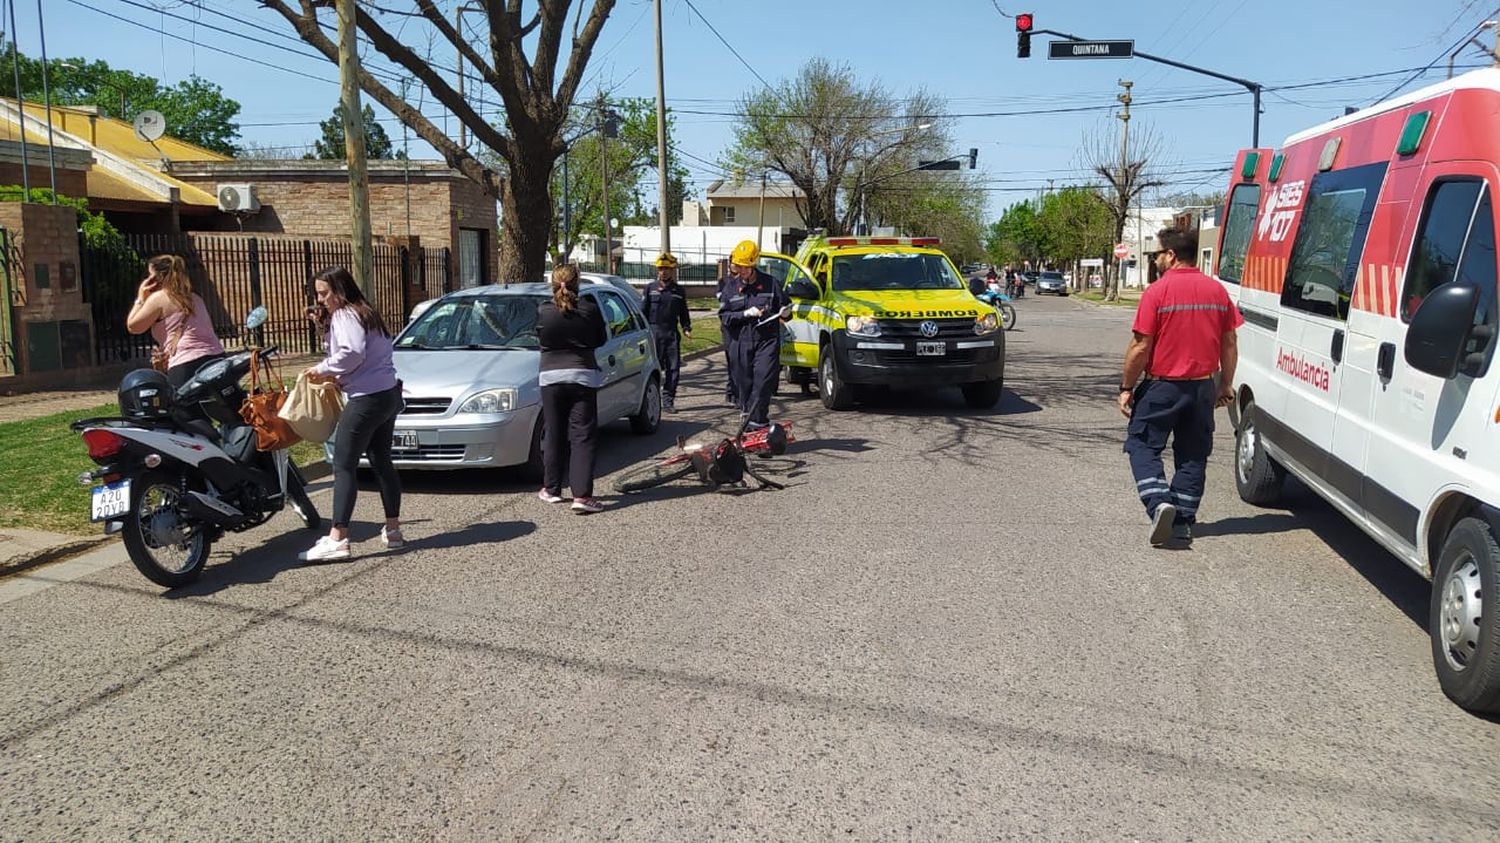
(256, 318)
(1432, 343)
(802, 288)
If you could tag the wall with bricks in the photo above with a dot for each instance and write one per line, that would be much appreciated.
(54, 325)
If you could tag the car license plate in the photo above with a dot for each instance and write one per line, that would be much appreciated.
(405, 440)
(110, 501)
(931, 349)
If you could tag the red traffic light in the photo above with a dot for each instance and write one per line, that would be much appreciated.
(1023, 22)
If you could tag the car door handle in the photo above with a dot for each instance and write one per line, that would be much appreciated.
(641, 347)
(1338, 346)
(611, 360)
(1385, 360)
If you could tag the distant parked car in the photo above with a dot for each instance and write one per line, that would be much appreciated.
(1052, 283)
(468, 365)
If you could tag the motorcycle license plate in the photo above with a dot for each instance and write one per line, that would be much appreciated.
(110, 501)
(405, 440)
(931, 349)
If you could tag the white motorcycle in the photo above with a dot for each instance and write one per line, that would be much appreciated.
(171, 481)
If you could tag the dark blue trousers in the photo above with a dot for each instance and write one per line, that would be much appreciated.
(754, 370)
(669, 354)
(1184, 411)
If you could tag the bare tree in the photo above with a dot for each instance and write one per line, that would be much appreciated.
(1128, 173)
(535, 97)
(827, 130)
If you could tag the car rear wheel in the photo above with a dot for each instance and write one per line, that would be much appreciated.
(982, 395)
(1257, 476)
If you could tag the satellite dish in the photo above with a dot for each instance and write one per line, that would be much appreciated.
(150, 125)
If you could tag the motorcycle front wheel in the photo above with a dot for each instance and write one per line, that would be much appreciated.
(1007, 317)
(165, 547)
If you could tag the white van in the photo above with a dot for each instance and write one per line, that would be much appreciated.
(1362, 255)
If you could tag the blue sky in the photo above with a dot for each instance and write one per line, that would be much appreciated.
(964, 50)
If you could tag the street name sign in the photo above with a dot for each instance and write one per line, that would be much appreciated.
(1090, 49)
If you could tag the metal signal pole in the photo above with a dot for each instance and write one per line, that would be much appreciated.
(663, 219)
(1124, 116)
(354, 151)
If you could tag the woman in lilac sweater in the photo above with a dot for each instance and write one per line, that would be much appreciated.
(358, 347)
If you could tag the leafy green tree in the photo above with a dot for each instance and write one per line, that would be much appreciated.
(330, 147)
(941, 204)
(1074, 224)
(195, 109)
(831, 133)
(1017, 236)
(632, 160)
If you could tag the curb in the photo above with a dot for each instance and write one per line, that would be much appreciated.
(53, 554)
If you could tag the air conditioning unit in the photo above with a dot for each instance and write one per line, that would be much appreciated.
(238, 198)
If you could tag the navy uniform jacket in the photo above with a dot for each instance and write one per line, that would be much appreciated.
(666, 307)
(736, 297)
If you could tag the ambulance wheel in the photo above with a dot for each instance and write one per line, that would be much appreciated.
(1257, 476)
(1466, 638)
(837, 395)
(982, 395)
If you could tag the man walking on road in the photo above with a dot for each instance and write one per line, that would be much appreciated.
(666, 308)
(1184, 332)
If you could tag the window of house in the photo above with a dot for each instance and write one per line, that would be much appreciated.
(1330, 238)
(1243, 204)
(729, 214)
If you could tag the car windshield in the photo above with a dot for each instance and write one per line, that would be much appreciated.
(1052, 276)
(474, 322)
(894, 271)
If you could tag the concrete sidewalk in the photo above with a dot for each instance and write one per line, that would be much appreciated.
(23, 549)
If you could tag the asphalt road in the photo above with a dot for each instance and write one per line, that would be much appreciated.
(949, 625)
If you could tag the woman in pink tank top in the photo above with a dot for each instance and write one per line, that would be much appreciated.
(177, 318)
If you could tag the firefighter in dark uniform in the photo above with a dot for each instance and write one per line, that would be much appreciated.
(748, 310)
(666, 309)
(1184, 333)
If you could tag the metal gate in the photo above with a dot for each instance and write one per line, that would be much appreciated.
(12, 295)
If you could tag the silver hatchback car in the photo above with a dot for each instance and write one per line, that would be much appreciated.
(468, 364)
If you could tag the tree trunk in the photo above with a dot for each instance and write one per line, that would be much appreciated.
(526, 216)
(1112, 289)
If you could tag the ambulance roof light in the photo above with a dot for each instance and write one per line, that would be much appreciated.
(1252, 163)
(1413, 132)
(1276, 164)
(1329, 154)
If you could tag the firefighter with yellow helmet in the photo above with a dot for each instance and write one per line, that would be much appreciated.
(666, 309)
(749, 308)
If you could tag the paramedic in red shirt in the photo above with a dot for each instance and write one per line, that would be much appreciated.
(1184, 333)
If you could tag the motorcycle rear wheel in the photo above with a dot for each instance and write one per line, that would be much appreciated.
(653, 474)
(165, 548)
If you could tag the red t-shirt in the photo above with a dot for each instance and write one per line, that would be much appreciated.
(1186, 313)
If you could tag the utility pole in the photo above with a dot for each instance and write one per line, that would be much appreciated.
(760, 219)
(354, 151)
(15, 66)
(1124, 116)
(609, 252)
(41, 27)
(458, 27)
(662, 214)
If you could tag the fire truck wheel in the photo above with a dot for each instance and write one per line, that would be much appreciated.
(1257, 477)
(1465, 638)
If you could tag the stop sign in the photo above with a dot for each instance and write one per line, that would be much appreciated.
(1121, 251)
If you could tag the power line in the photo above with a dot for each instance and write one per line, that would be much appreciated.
(1455, 45)
(730, 47)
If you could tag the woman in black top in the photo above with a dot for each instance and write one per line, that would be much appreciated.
(570, 328)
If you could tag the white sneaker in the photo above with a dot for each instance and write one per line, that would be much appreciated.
(584, 506)
(325, 548)
(547, 497)
(392, 538)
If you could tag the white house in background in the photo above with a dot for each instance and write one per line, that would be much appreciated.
(1140, 238)
(739, 203)
(695, 244)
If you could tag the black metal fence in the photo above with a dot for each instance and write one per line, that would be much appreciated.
(234, 274)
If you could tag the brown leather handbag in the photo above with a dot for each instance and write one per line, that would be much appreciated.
(272, 433)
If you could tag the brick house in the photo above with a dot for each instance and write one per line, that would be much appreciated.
(428, 201)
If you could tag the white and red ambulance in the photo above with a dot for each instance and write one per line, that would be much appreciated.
(1362, 255)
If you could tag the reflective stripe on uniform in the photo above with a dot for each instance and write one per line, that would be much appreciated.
(1172, 308)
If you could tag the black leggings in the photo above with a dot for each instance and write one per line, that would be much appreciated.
(570, 428)
(182, 372)
(366, 428)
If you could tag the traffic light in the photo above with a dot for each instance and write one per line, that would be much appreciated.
(1023, 35)
(973, 157)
